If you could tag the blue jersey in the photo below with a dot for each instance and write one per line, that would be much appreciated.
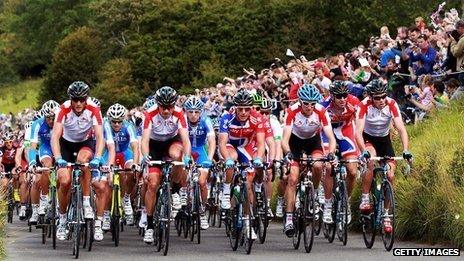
(40, 132)
(200, 132)
(123, 138)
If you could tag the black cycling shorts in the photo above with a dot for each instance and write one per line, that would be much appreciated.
(382, 145)
(159, 150)
(69, 150)
(297, 145)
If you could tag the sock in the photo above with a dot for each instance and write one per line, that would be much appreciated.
(35, 206)
(126, 197)
(269, 202)
(328, 203)
(106, 213)
(150, 222)
(98, 222)
(364, 196)
(86, 200)
(280, 198)
(62, 218)
(258, 187)
(226, 189)
(289, 218)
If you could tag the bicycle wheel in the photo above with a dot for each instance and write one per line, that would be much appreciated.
(166, 219)
(297, 224)
(52, 216)
(157, 233)
(77, 222)
(263, 220)
(234, 224)
(197, 211)
(248, 239)
(329, 229)
(318, 221)
(11, 203)
(368, 221)
(309, 203)
(342, 213)
(178, 225)
(116, 216)
(388, 238)
(90, 232)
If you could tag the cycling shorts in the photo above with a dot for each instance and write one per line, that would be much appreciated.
(382, 145)
(199, 154)
(69, 150)
(346, 141)
(245, 153)
(159, 150)
(45, 151)
(308, 146)
(122, 159)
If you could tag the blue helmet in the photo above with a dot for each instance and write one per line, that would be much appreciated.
(309, 92)
(193, 103)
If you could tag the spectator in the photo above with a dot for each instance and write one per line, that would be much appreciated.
(455, 92)
(422, 56)
(457, 48)
(387, 53)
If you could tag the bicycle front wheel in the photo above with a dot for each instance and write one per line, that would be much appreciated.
(342, 213)
(166, 220)
(308, 218)
(388, 237)
(263, 220)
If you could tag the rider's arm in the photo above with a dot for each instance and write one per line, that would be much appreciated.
(111, 153)
(135, 148)
(260, 144)
(19, 153)
(211, 146)
(100, 141)
(286, 138)
(55, 139)
(272, 150)
(402, 131)
(359, 133)
(144, 143)
(184, 136)
(223, 138)
(330, 136)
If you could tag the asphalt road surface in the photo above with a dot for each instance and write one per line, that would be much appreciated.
(22, 245)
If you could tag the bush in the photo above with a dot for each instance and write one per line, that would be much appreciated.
(7, 73)
(78, 57)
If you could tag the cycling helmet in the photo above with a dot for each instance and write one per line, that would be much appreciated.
(49, 108)
(28, 125)
(78, 90)
(8, 136)
(150, 102)
(243, 98)
(309, 92)
(257, 99)
(37, 115)
(166, 96)
(339, 87)
(193, 103)
(96, 101)
(116, 112)
(268, 104)
(376, 86)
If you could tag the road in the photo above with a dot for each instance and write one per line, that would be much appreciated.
(22, 245)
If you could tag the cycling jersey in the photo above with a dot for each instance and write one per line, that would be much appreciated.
(40, 132)
(164, 129)
(78, 128)
(276, 127)
(305, 127)
(240, 134)
(378, 120)
(200, 132)
(8, 155)
(266, 124)
(121, 139)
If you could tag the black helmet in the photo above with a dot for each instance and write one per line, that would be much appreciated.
(339, 87)
(166, 96)
(78, 90)
(243, 98)
(376, 86)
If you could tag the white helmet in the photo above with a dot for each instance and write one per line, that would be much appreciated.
(116, 111)
(49, 108)
(96, 101)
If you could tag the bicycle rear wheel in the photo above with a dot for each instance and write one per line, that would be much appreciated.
(11, 203)
(309, 203)
(234, 224)
(388, 238)
(157, 233)
(297, 224)
(197, 211)
(52, 216)
(248, 239)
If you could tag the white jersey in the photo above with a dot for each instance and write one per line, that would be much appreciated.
(78, 128)
(276, 127)
(378, 120)
(164, 129)
(306, 127)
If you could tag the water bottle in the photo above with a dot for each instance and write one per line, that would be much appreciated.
(237, 191)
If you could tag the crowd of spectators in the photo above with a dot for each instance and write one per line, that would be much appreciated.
(422, 65)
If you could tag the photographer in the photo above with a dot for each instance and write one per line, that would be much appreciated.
(457, 47)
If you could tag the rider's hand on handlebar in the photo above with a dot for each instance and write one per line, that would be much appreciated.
(61, 163)
(258, 163)
(288, 157)
(407, 155)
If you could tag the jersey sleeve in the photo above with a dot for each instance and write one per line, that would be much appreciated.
(267, 129)
(224, 124)
(147, 120)
(107, 133)
(97, 118)
(395, 110)
(132, 132)
(362, 110)
(209, 127)
(182, 123)
(290, 117)
(34, 133)
(324, 117)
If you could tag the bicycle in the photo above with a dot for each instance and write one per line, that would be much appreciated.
(217, 174)
(236, 215)
(381, 192)
(305, 212)
(162, 214)
(340, 204)
(194, 203)
(10, 194)
(116, 207)
(261, 209)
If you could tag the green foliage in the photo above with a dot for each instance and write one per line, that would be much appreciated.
(79, 56)
(7, 72)
(17, 97)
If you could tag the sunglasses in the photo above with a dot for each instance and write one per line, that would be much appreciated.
(81, 100)
(194, 112)
(341, 96)
(257, 108)
(378, 98)
(245, 109)
(166, 107)
(263, 112)
(116, 122)
(307, 103)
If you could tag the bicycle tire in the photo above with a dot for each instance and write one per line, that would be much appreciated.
(77, 222)
(296, 239)
(197, 211)
(309, 204)
(90, 227)
(157, 235)
(389, 239)
(248, 240)
(167, 216)
(53, 216)
(318, 222)
(115, 218)
(233, 224)
(342, 213)
(263, 220)
(11, 203)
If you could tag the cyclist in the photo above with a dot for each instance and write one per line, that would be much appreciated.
(40, 134)
(341, 107)
(376, 112)
(72, 141)
(304, 121)
(165, 134)
(241, 137)
(127, 152)
(203, 140)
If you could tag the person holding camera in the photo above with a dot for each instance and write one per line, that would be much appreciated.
(457, 47)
